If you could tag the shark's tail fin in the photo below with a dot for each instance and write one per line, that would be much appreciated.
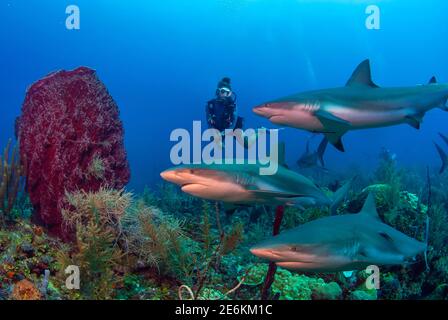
(340, 196)
(443, 157)
(321, 150)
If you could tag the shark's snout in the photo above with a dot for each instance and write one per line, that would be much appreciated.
(179, 177)
(168, 175)
(261, 110)
(265, 253)
(268, 109)
(270, 251)
(256, 251)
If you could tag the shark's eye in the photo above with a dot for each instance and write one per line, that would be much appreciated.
(294, 248)
(191, 171)
(385, 236)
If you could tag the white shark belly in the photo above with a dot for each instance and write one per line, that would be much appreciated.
(220, 191)
(332, 264)
(299, 119)
(360, 119)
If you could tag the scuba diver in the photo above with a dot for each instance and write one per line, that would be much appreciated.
(221, 111)
(222, 114)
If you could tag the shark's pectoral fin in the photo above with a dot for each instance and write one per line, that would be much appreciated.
(332, 122)
(415, 120)
(335, 128)
(335, 139)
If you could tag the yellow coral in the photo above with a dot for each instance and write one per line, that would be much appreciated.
(106, 207)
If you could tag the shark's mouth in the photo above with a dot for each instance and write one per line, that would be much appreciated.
(192, 184)
(276, 118)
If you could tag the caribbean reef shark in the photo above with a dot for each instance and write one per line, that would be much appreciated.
(442, 154)
(312, 159)
(340, 243)
(241, 184)
(361, 104)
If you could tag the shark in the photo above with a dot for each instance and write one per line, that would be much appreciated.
(442, 153)
(360, 104)
(311, 159)
(340, 243)
(242, 184)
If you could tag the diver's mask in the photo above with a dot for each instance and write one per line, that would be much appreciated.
(225, 92)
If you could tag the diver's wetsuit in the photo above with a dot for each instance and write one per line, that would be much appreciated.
(221, 114)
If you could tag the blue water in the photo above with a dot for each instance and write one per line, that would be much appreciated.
(161, 61)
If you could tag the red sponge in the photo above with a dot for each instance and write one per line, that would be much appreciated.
(71, 138)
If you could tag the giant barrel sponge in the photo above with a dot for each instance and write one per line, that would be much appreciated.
(71, 138)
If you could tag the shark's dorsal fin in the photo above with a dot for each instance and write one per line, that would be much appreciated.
(369, 207)
(362, 76)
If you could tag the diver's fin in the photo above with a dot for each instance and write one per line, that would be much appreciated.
(444, 138)
(336, 140)
(369, 207)
(443, 157)
(362, 76)
(321, 151)
(415, 120)
(432, 80)
(339, 196)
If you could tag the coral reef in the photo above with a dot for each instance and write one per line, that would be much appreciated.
(25, 290)
(163, 245)
(289, 286)
(71, 138)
